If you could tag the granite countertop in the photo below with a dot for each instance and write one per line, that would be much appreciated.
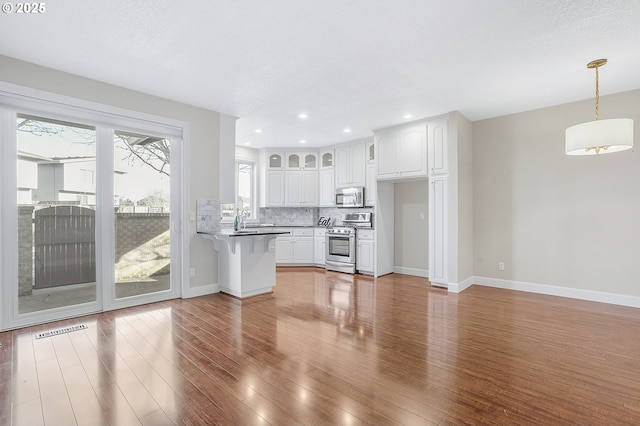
(245, 233)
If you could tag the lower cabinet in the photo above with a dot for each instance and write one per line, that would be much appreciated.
(297, 247)
(319, 246)
(365, 251)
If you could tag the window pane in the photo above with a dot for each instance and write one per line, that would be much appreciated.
(142, 219)
(56, 200)
(245, 189)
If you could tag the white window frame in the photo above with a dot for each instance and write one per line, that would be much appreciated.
(16, 99)
(254, 190)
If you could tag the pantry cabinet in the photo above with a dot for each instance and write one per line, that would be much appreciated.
(402, 152)
(437, 147)
(438, 231)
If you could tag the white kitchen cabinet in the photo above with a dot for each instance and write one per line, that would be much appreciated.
(370, 188)
(275, 160)
(319, 246)
(402, 152)
(326, 158)
(437, 147)
(295, 248)
(371, 152)
(350, 165)
(284, 250)
(302, 161)
(275, 185)
(327, 188)
(365, 256)
(438, 231)
(301, 188)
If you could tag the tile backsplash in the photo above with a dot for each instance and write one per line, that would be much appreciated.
(305, 216)
(289, 216)
(208, 215)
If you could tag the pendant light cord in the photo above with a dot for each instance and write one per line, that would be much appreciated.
(597, 94)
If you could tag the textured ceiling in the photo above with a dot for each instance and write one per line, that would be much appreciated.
(361, 64)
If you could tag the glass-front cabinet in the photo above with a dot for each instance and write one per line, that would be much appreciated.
(326, 159)
(310, 161)
(302, 161)
(293, 161)
(371, 152)
(275, 160)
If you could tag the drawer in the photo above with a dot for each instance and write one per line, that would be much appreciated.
(289, 230)
(320, 232)
(303, 232)
(366, 234)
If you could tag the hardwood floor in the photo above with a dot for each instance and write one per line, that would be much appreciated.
(328, 348)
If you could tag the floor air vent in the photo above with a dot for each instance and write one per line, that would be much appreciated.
(60, 331)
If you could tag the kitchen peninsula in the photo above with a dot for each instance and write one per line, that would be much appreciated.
(247, 262)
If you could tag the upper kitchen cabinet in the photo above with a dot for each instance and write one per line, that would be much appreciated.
(371, 152)
(326, 159)
(402, 152)
(326, 184)
(302, 161)
(437, 146)
(301, 188)
(275, 160)
(274, 188)
(350, 165)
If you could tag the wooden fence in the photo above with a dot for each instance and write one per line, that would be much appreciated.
(65, 246)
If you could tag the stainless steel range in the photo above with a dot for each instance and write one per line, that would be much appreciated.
(341, 242)
(341, 249)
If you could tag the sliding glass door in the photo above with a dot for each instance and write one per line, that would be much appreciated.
(56, 209)
(89, 212)
(142, 183)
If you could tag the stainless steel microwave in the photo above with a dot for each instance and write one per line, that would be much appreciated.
(350, 197)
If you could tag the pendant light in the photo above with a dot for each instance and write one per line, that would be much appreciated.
(599, 136)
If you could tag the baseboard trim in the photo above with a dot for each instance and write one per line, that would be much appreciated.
(460, 287)
(411, 271)
(239, 295)
(551, 290)
(201, 290)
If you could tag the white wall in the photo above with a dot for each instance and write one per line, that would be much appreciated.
(246, 153)
(463, 165)
(204, 131)
(411, 234)
(554, 219)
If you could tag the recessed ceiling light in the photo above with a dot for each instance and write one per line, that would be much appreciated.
(258, 130)
(303, 115)
(347, 130)
(303, 141)
(407, 116)
(247, 143)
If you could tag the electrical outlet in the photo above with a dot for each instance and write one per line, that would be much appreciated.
(192, 272)
(500, 266)
(421, 216)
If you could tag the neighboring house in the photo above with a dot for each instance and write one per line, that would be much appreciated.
(58, 180)
(27, 176)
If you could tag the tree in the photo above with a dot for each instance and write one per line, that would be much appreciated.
(154, 152)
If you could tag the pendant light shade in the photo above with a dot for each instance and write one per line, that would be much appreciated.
(599, 136)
